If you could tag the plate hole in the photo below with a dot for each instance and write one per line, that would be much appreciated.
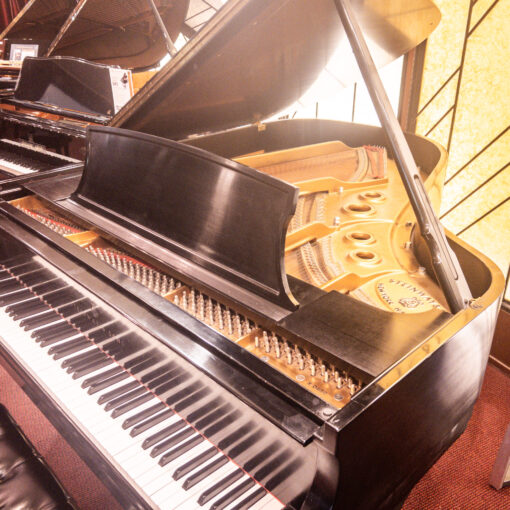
(365, 255)
(359, 207)
(361, 236)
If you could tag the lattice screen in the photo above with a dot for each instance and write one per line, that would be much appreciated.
(465, 106)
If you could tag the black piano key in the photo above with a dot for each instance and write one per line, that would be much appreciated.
(35, 277)
(144, 357)
(83, 358)
(212, 417)
(11, 285)
(263, 455)
(194, 463)
(165, 390)
(19, 296)
(204, 472)
(221, 424)
(126, 397)
(140, 363)
(60, 330)
(91, 367)
(154, 382)
(235, 436)
(219, 486)
(45, 287)
(180, 450)
(192, 399)
(203, 410)
(284, 474)
(26, 308)
(271, 467)
(133, 404)
(97, 379)
(75, 307)
(143, 415)
(62, 296)
(109, 331)
(39, 320)
(64, 349)
(171, 441)
(147, 424)
(96, 359)
(251, 499)
(17, 266)
(165, 369)
(164, 433)
(232, 495)
(90, 319)
(106, 397)
(23, 267)
(104, 383)
(44, 342)
(250, 441)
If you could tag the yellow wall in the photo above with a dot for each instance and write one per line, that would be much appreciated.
(465, 106)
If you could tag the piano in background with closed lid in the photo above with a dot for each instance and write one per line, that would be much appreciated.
(116, 300)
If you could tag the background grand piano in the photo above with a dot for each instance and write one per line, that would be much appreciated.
(88, 54)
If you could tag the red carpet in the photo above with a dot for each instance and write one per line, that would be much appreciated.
(458, 481)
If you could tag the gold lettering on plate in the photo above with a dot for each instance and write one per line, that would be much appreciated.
(404, 297)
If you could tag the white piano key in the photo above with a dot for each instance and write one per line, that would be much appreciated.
(153, 479)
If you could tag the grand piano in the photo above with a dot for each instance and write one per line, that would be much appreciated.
(92, 58)
(247, 317)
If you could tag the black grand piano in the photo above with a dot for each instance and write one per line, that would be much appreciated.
(91, 55)
(147, 310)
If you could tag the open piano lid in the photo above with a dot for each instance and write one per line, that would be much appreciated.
(113, 32)
(257, 56)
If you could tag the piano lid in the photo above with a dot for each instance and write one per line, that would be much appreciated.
(257, 56)
(39, 19)
(114, 32)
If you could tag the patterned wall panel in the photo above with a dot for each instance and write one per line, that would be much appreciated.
(465, 106)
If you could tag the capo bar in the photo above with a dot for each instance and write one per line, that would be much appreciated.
(445, 262)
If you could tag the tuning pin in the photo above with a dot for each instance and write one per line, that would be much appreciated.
(184, 301)
(201, 306)
(157, 284)
(236, 324)
(230, 323)
(176, 300)
(267, 345)
(288, 354)
(276, 346)
(300, 361)
(313, 367)
(138, 276)
(257, 342)
(164, 285)
(209, 311)
(219, 316)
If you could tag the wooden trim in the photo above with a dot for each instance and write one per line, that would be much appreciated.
(410, 88)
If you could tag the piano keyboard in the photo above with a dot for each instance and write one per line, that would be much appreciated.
(181, 443)
(21, 158)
